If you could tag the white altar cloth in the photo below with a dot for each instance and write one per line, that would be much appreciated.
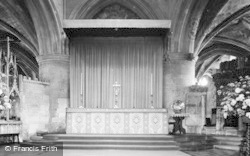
(116, 121)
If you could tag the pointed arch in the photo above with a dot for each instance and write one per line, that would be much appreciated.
(141, 8)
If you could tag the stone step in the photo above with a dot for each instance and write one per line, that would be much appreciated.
(120, 142)
(105, 137)
(119, 147)
(228, 138)
(227, 147)
(233, 143)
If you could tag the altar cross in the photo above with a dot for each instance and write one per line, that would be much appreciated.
(117, 89)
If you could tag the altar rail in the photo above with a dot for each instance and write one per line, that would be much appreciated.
(117, 121)
(10, 130)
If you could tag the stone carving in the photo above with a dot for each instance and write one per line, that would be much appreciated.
(116, 11)
(194, 26)
(109, 122)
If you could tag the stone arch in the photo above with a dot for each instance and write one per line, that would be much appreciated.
(48, 27)
(116, 11)
(214, 51)
(87, 10)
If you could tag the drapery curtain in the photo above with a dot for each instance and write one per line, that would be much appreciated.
(116, 72)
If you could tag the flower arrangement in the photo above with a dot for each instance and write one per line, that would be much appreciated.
(235, 97)
(4, 101)
(178, 106)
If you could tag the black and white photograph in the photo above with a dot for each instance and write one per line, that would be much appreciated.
(124, 77)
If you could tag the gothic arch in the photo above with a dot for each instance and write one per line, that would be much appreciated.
(87, 10)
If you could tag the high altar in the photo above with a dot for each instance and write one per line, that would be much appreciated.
(116, 76)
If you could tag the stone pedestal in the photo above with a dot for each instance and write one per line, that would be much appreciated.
(219, 120)
(55, 70)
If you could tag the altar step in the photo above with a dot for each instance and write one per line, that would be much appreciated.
(114, 142)
(228, 142)
(196, 142)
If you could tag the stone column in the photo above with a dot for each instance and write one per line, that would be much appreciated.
(55, 70)
(179, 74)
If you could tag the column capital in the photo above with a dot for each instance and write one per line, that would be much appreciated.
(52, 58)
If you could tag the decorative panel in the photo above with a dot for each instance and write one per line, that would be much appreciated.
(10, 127)
(117, 124)
(117, 121)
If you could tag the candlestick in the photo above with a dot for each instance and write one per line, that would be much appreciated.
(151, 88)
(81, 83)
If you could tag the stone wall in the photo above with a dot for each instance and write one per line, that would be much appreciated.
(38, 109)
(34, 106)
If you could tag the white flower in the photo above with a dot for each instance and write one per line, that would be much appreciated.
(238, 90)
(240, 112)
(247, 102)
(7, 105)
(244, 106)
(248, 114)
(6, 99)
(2, 107)
(241, 97)
(221, 87)
(233, 102)
(219, 92)
(225, 108)
(230, 108)
(225, 114)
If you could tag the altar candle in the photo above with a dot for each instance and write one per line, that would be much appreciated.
(81, 83)
(151, 88)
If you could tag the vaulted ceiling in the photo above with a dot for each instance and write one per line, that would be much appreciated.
(207, 28)
(223, 29)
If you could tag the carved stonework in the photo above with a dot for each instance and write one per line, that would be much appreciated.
(194, 26)
(116, 11)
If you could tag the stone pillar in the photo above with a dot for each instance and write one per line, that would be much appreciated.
(55, 70)
(179, 74)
